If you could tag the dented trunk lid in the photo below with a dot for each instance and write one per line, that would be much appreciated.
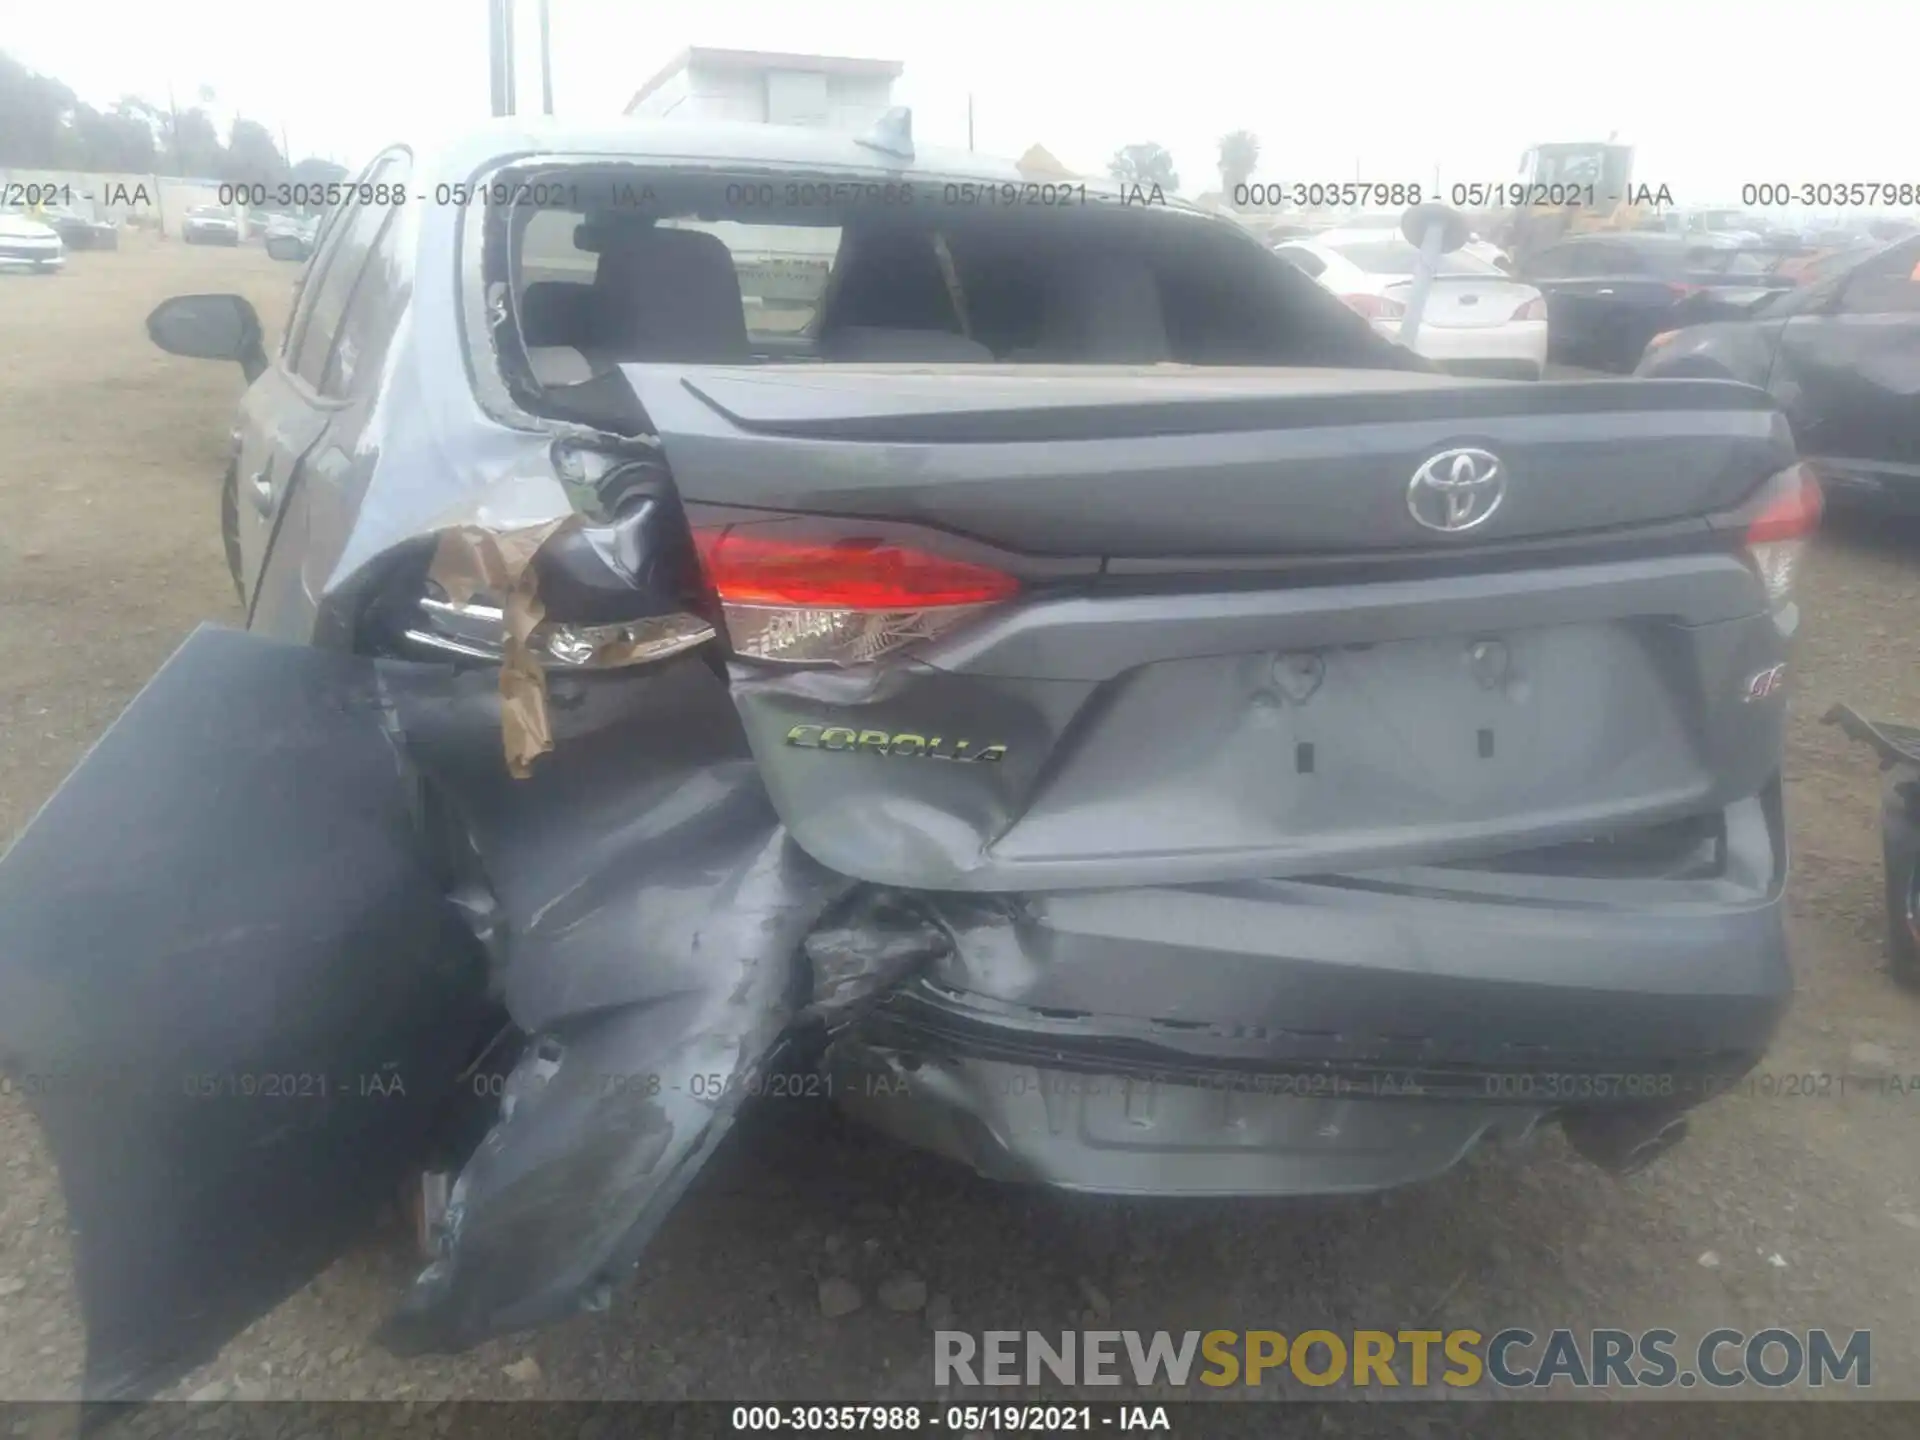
(1251, 658)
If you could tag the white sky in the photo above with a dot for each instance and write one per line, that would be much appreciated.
(1714, 93)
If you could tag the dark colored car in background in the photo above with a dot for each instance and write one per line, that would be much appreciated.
(210, 225)
(81, 232)
(1608, 295)
(1841, 355)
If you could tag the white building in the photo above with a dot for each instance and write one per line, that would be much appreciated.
(831, 91)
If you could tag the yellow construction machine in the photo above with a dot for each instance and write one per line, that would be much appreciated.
(1576, 188)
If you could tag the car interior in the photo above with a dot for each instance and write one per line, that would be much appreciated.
(911, 288)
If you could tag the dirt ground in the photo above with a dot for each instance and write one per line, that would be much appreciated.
(1780, 1211)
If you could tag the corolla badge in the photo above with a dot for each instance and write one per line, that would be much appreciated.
(1457, 490)
(884, 742)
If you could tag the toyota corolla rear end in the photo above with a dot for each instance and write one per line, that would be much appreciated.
(1063, 680)
(1307, 768)
(1273, 860)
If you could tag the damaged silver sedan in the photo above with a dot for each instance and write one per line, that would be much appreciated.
(735, 604)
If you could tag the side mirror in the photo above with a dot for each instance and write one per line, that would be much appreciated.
(210, 327)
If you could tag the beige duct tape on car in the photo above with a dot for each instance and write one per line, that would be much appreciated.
(472, 560)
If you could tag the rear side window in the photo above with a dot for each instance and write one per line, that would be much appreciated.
(329, 287)
(1886, 285)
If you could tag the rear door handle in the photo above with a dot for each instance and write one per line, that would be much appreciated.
(262, 492)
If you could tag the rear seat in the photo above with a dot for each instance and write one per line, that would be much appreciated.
(662, 294)
(666, 294)
(553, 322)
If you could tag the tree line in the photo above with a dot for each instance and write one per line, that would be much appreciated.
(45, 126)
(1151, 164)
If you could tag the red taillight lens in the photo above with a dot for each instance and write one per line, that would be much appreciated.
(1778, 535)
(1374, 307)
(1534, 309)
(808, 600)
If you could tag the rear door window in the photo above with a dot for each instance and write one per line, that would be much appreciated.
(374, 305)
(330, 285)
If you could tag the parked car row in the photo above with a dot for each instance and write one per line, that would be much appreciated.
(1836, 340)
(1609, 294)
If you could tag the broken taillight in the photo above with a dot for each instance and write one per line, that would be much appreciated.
(805, 600)
(1777, 537)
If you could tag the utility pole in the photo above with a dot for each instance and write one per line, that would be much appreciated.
(969, 120)
(500, 55)
(173, 111)
(546, 65)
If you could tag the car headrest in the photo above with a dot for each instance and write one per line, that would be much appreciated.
(666, 294)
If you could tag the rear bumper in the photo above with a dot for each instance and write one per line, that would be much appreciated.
(1323, 1036)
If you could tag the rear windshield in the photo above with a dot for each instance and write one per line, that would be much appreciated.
(700, 267)
(1396, 257)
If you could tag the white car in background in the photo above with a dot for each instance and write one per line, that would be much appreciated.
(27, 243)
(210, 225)
(1479, 319)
